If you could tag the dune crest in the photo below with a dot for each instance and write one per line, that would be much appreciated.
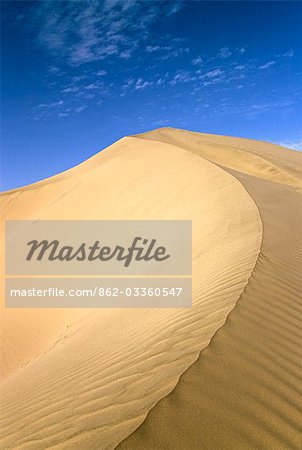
(91, 378)
(245, 389)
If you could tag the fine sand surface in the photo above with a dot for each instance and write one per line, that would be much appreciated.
(224, 374)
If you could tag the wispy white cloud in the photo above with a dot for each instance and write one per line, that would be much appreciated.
(129, 82)
(71, 111)
(55, 70)
(164, 52)
(77, 78)
(224, 53)
(83, 32)
(183, 76)
(71, 89)
(126, 54)
(212, 73)
(141, 84)
(174, 7)
(87, 95)
(267, 65)
(288, 54)
(91, 86)
(152, 48)
(210, 82)
(297, 145)
(51, 105)
(264, 107)
(79, 32)
(197, 61)
(241, 50)
(160, 81)
(80, 108)
(57, 109)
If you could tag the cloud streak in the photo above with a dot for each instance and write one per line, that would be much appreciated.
(297, 145)
(267, 65)
(87, 31)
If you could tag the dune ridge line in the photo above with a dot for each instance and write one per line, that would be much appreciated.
(102, 380)
(244, 390)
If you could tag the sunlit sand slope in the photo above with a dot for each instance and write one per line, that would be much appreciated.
(94, 383)
(245, 389)
(222, 374)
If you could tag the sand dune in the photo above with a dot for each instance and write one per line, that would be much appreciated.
(225, 373)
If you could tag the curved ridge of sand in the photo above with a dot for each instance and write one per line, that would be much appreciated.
(95, 381)
(245, 389)
(251, 157)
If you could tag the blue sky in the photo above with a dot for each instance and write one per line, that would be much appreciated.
(76, 76)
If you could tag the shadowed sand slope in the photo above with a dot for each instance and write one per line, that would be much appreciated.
(245, 389)
(222, 374)
(263, 160)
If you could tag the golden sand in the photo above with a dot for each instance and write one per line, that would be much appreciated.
(225, 373)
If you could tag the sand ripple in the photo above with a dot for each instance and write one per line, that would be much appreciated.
(222, 374)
